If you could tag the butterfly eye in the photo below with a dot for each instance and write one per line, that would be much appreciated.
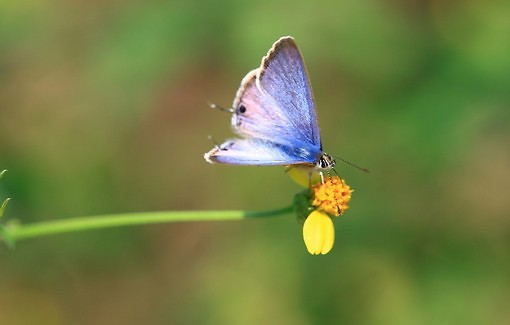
(242, 109)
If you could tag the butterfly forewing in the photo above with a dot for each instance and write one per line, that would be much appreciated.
(277, 99)
(274, 112)
(255, 114)
(283, 77)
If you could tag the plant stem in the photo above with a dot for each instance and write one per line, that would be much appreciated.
(13, 232)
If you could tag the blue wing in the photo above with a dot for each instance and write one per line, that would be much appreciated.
(275, 101)
(260, 152)
(274, 112)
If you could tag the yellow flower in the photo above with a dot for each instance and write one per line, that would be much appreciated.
(318, 233)
(304, 175)
(332, 196)
(327, 199)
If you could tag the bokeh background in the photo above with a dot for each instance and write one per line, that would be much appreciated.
(103, 109)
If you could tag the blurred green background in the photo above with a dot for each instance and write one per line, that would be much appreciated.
(103, 109)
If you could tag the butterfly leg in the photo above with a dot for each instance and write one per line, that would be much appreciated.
(337, 199)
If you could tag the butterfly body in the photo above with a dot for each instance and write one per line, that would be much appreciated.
(274, 114)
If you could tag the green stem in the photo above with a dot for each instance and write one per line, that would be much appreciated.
(13, 232)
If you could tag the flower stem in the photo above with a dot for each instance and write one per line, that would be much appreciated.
(13, 232)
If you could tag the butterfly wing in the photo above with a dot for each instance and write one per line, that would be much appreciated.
(276, 99)
(256, 114)
(258, 152)
(275, 114)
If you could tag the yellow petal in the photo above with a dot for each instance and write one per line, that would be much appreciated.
(304, 175)
(318, 233)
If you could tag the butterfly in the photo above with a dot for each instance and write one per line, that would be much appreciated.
(274, 114)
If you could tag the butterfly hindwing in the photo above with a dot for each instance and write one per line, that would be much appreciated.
(258, 152)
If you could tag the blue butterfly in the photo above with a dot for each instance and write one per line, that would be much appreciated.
(274, 114)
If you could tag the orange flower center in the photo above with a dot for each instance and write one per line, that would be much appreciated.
(332, 196)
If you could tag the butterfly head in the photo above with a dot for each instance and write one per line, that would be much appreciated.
(325, 162)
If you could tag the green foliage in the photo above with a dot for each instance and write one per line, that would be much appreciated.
(104, 110)
(4, 235)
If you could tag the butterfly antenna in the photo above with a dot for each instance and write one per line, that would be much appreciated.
(221, 108)
(352, 165)
(216, 145)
